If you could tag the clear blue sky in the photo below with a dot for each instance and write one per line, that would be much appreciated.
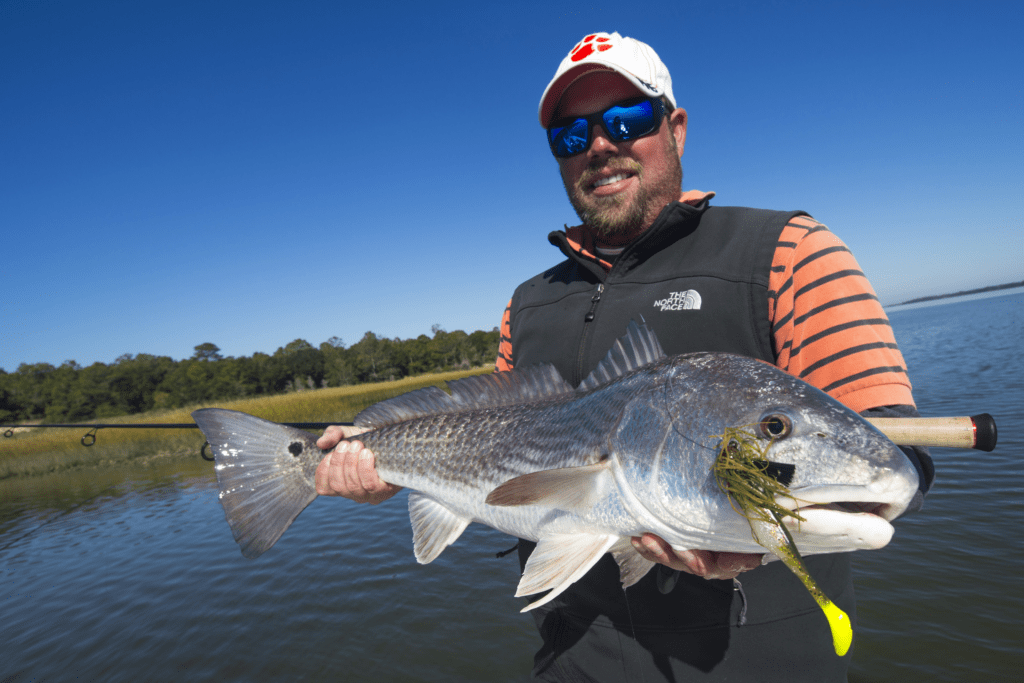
(175, 172)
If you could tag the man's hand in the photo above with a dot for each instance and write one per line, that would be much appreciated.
(707, 564)
(348, 471)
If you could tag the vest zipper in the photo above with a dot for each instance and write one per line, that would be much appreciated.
(588, 318)
(594, 300)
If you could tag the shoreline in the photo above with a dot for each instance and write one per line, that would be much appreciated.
(50, 450)
(968, 292)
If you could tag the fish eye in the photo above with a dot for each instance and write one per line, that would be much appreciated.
(775, 426)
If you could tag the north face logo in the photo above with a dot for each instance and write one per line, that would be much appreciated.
(679, 301)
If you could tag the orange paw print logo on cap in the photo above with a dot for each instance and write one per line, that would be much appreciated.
(589, 46)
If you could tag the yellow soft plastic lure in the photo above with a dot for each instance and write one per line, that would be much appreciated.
(776, 538)
(742, 472)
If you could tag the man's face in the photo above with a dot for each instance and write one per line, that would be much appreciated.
(619, 188)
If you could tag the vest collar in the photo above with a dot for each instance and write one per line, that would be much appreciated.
(674, 222)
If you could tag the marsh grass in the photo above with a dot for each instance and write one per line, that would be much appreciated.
(44, 451)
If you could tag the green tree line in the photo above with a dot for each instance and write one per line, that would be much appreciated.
(134, 384)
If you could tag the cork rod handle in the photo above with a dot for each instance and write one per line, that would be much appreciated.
(978, 431)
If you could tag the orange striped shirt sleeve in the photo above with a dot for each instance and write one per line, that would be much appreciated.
(504, 361)
(828, 326)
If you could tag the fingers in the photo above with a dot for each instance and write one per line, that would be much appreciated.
(738, 562)
(348, 471)
(331, 436)
(707, 564)
(335, 433)
(655, 549)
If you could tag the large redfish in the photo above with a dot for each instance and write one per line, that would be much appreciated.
(581, 470)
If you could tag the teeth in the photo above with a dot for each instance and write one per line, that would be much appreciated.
(611, 179)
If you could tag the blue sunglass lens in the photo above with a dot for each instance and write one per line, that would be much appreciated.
(620, 122)
(626, 123)
(571, 139)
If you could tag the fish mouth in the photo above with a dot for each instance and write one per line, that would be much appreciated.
(887, 511)
(887, 499)
(843, 517)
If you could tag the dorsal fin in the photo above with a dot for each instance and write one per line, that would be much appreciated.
(418, 403)
(533, 383)
(638, 347)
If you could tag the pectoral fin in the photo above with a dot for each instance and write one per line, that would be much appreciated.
(573, 489)
(434, 527)
(558, 561)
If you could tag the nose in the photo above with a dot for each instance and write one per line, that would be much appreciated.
(600, 144)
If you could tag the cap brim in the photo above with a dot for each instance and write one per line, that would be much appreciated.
(553, 93)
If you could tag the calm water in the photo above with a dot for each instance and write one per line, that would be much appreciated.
(132, 575)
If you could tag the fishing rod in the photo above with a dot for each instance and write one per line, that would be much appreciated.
(89, 438)
(976, 432)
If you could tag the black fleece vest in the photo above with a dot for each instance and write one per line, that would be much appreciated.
(699, 278)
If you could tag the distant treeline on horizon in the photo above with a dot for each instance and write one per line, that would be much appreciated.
(980, 290)
(135, 384)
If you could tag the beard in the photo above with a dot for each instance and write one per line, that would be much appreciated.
(618, 217)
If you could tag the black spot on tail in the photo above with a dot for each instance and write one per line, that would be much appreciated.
(295, 448)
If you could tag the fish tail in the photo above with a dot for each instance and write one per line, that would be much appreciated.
(264, 471)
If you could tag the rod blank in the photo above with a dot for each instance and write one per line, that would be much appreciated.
(977, 432)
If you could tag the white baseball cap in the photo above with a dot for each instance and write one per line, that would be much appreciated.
(634, 60)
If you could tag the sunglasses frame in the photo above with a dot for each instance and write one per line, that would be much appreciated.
(597, 118)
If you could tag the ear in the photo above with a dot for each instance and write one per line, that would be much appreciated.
(677, 126)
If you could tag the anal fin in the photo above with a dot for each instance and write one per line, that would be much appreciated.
(434, 527)
(560, 560)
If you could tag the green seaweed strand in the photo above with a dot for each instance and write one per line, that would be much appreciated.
(741, 472)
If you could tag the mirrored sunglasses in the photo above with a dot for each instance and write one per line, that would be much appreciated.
(627, 120)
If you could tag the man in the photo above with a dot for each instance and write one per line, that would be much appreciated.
(771, 285)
